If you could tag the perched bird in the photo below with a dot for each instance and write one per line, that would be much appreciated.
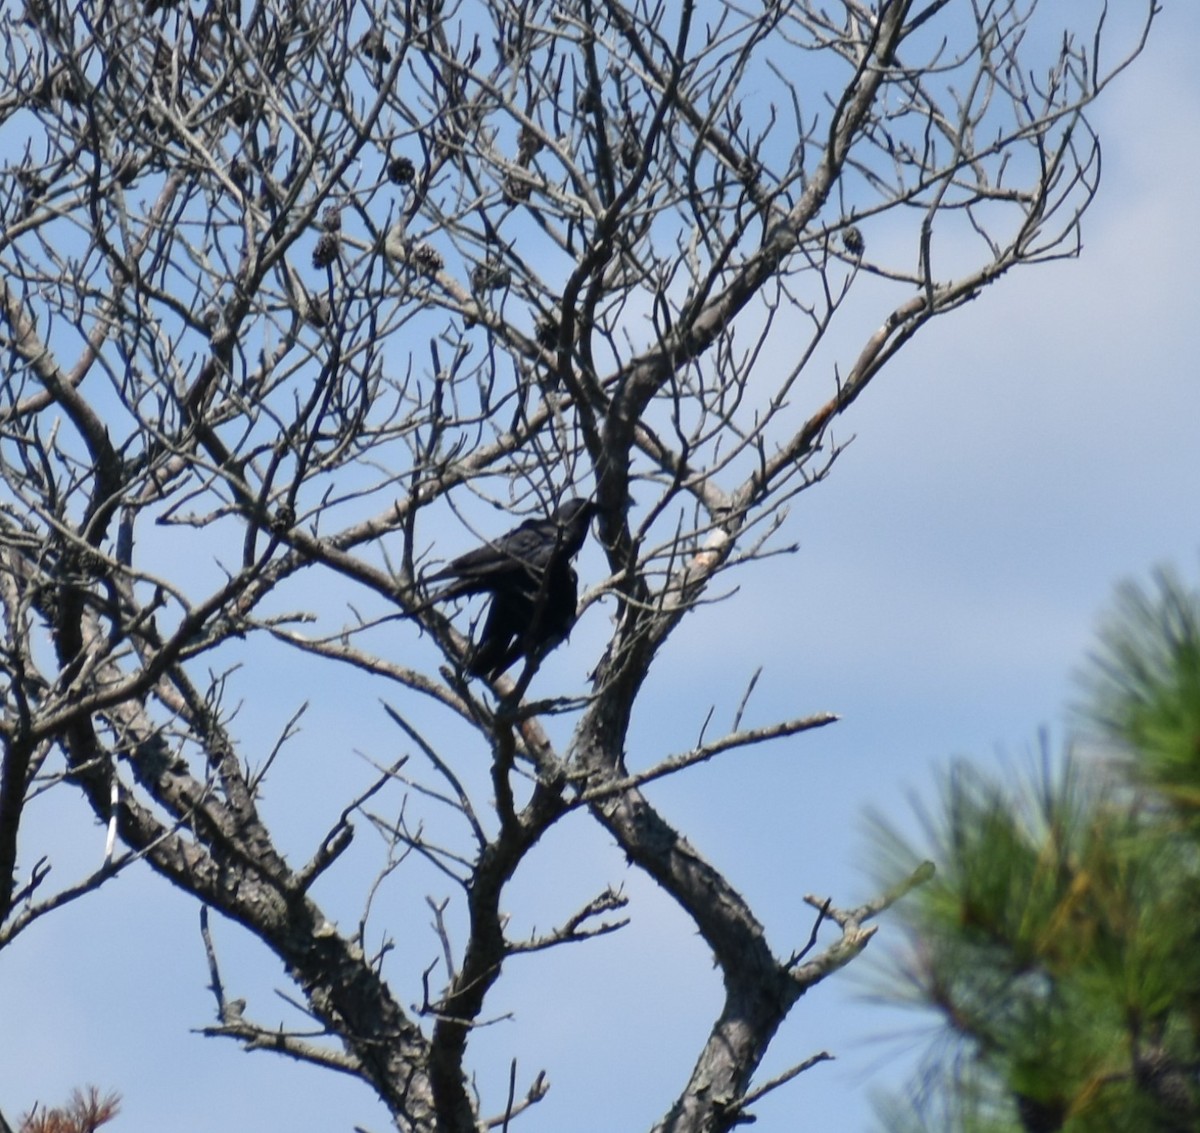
(534, 590)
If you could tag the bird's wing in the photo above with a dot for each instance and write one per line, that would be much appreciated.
(524, 548)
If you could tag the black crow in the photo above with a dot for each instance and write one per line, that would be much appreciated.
(533, 589)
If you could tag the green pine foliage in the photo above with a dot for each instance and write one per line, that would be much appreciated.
(1143, 687)
(1059, 943)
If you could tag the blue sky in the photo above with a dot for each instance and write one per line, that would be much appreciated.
(1010, 467)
